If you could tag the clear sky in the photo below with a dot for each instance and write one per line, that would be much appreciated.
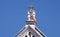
(13, 14)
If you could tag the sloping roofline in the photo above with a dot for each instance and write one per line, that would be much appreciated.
(25, 28)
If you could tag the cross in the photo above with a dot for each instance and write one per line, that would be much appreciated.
(31, 6)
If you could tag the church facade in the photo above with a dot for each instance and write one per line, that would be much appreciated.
(30, 29)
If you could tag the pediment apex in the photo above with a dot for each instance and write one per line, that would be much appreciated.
(36, 30)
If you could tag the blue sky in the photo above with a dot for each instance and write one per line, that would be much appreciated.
(13, 14)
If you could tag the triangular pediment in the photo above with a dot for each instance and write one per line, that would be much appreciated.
(34, 32)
